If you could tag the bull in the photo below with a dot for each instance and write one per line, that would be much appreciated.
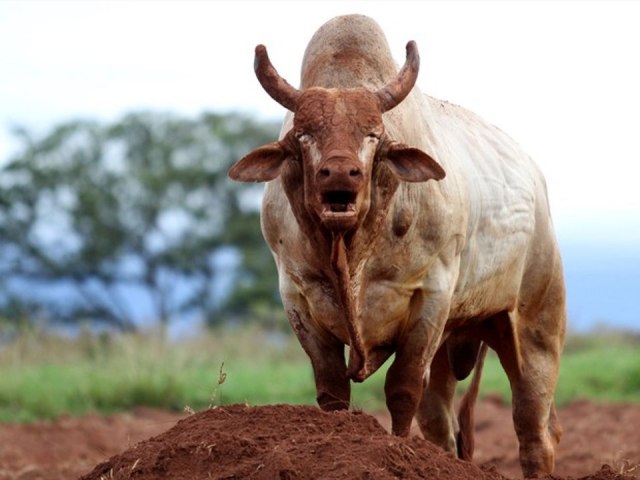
(404, 225)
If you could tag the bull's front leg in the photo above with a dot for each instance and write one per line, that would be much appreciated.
(403, 390)
(405, 379)
(333, 387)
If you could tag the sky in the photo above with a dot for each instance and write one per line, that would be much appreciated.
(561, 77)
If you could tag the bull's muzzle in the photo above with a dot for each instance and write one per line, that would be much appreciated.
(339, 180)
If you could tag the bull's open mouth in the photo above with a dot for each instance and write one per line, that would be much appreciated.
(339, 203)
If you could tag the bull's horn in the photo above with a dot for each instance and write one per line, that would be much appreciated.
(276, 86)
(395, 91)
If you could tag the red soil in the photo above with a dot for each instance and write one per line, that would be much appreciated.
(302, 442)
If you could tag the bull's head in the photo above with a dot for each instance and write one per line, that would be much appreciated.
(337, 138)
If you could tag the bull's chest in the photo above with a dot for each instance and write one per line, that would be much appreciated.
(382, 301)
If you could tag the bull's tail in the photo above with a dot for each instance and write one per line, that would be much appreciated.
(465, 413)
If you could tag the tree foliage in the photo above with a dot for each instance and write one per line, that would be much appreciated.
(134, 221)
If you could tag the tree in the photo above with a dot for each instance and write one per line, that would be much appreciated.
(134, 221)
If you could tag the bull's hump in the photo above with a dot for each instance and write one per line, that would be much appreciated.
(346, 52)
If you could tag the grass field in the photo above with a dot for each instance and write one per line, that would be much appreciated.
(43, 376)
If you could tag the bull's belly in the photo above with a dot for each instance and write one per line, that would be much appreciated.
(484, 300)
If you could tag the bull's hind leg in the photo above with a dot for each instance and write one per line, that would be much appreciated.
(533, 376)
(533, 406)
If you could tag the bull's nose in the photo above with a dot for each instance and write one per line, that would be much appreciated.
(339, 168)
(342, 177)
(351, 171)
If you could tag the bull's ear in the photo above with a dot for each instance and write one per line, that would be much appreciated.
(260, 165)
(411, 164)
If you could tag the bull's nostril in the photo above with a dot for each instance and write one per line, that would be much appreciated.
(324, 172)
(355, 172)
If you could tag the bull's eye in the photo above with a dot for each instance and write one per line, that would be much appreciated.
(303, 137)
(373, 137)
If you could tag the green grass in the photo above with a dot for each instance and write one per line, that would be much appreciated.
(606, 369)
(44, 377)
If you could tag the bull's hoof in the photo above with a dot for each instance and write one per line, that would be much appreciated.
(330, 403)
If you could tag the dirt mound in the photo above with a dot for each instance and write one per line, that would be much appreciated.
(290, 442)
(285, 442)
